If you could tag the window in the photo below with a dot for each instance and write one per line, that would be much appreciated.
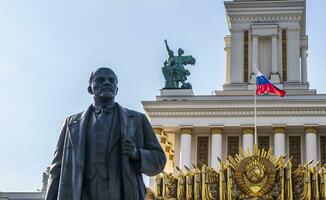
(263, 142)
(202, 151)
(233, 145)
(284, 56)
(323, 150)
(295, 150)
(245, 56)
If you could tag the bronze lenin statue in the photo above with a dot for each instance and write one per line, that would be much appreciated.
(103, 151)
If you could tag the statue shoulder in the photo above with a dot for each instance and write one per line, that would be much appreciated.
(74, 117)
(79, 115)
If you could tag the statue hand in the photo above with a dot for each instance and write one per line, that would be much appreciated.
(129, 148)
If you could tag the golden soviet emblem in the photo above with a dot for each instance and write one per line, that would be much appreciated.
(255, 173)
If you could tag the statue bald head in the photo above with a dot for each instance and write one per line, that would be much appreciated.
(103, 83)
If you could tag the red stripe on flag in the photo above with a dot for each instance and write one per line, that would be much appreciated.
(269, 88)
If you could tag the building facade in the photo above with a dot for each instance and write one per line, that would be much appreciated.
(199, 129)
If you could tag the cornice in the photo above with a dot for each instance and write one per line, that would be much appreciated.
(266, 4)
(236, 112)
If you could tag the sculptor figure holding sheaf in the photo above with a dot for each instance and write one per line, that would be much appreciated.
(103, 151)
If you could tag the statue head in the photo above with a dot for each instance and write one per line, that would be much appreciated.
(180, 52)
(103, 83)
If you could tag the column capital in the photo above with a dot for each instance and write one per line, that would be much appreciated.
(216, 130)
(278, 129)
(158, 130)
(274, 36)
(310, 129)
(186, 130)
(248, 130)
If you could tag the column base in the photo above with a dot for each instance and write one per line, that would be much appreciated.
(275, 78)
(253, 78)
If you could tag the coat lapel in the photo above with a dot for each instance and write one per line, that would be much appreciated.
(127, 127)
(128, 123)
(77, 130)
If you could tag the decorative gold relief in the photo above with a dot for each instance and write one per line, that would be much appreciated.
(181, 187)
(169, 190)
(158, 131)
(257, 175)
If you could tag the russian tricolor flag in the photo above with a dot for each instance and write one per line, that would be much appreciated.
(264, 86)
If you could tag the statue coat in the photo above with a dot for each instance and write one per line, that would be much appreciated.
(67, 169)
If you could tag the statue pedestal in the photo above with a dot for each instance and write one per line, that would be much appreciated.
(177, 92)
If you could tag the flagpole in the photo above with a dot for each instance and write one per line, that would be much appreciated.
(255, 98)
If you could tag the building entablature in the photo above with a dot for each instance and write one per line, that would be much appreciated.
(265, 12)
(234, 111)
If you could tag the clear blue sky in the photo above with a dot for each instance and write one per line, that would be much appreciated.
(49, 48)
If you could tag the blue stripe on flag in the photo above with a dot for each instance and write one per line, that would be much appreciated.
(261, 80)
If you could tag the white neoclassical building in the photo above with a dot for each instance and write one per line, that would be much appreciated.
(196, 129)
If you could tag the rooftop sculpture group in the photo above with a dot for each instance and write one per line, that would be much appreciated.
(174, 71)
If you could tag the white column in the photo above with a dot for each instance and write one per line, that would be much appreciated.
(255, 60)
(279, 141)
(228, 59)
(274, 55)
(248, 139)
(216, 150)
(185, 148)
(293, 41)
(236, 71)
(150, 180)
(304, 72)
(275, 76)
(311, 144)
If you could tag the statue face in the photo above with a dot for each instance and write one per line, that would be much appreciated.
(104, 83)
(180, 52)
